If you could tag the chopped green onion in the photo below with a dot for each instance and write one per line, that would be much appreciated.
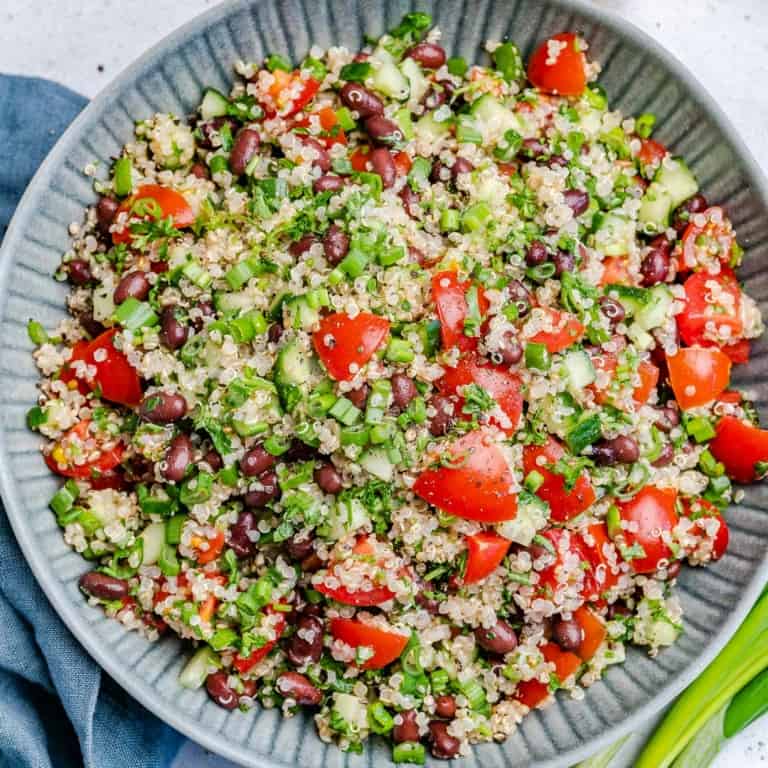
(450, 220)
(418, 176)
(700, 429)
(218, 164)
(134, 314)
(541, 272)
(467, 131)
(277, 61)
(537, 356)
(239, 275)
(359, 435)
(508, 61)
(64, 499)
(173, 529)
(122, 178)
(378, 401)
(475, 695)
(37, 334)
(168, 562)
(345, 411)
(196, 490)
(438, 680)
(399, 351)
(354, 263)
(644, 125)
(316, 67)
(345, 120)
(475, 217)
(196, 274)
(457, 66)
(533, 481)
(379, 719)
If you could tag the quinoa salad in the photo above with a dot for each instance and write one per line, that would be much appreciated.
(398, 387)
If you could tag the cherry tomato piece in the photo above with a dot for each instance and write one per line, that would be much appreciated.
(485, 551)
(710, 299)
(61, 459)
(652, 512)
(387, 646)
(568, 330)
(741, 447)
(245, 664)
(594, 632)
(698, 375)
(450, 297)
(558, 66)
(532, 692)
(345, 344)
(708, 242)
(167, 202)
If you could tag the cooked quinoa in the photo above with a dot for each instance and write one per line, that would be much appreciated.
(397, 386)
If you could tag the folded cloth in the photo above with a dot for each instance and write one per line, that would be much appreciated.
(58, 709)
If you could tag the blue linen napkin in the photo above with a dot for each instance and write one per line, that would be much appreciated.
(58, 709)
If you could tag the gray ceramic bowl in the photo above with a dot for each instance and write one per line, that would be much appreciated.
(639, 76)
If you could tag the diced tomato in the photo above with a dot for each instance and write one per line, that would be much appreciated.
(649, 378)
(475, 485)
(698, 375)
(652, 512)
(569, 331)
(450, 297)
(601, 577)
(112, 478)
(615, 271)
(485, 551)
(558, 66)
(379, 594)
(651, 152)
(532, 692)
(730, 396)
(116, 379)
(213, 550)
(403, 163)
(740, 446)
(345, 344)
(208, 608)
(703, 510)
(648, 372)
(564, 504)
(332, 133)
(243, 665)
(593, 633)
(565, 543)
(387, 646)
(167, 201)
(61, 459)
(500, 383)
(67, 373)
(289, 93)
(738, 353)
(359, 159)
(507, 169)
(704, 245)
(710, 298)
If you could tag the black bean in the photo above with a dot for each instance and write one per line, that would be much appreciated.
(210, 129)
(439, 172)
(500, 639)
(435, 97)
(321, 159)
(661, 242)
(257, 461)
(568, 634)
(520, 297)
(328, 184)
(177, 458)
(410, 200)
(213, 459)
(536, 253)
(429, 55)
(239, 539)
(328, 478)
(665, 457)
(564, 261)
(219, 690)
(104, 587)
(668, 418)
(441, 422)
(444, 746)
(655, 267)
(173, 333)
(359, 396)
(407, 729)
(106, 209)
(365, 103)
(383, 164)
(445, 706)
(612, 309)
(133, 284)
(403, 390)
(511, 351)
(682, 214)
(299, 451)
(557, 161)
(300, 247)
(79, 272)
(383, 131)
(305, 646)
(270, 490)
(92, 327)
(461, 165)
(299, 548)
(335, 244)
(294, 686)
(200, 171)
(163, 407)
(620, 450)
(243, 150)
(576, 200)
(275, 332)
(533, 149)
(206, 310)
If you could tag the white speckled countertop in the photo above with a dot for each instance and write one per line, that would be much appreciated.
(723, 42)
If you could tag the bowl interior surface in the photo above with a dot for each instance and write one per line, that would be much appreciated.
(639, 77)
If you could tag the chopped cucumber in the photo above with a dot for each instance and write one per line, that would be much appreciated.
(429, 130)
(376, 461)
(214, 104)
(578, 370)
(616, 235)
(345, 517)
(640, 338)
(676, 179)
(419, 84)
(655, 208)
(632, 298)
(559, 413)
(532, 515)
(386, 77)
(494, 119)
(293, 365)
(203, 661)
(153, 538)
(300, 315)
(658, 308)
(490, 187)
(351, 710)
(233, 302)
(103, 304)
